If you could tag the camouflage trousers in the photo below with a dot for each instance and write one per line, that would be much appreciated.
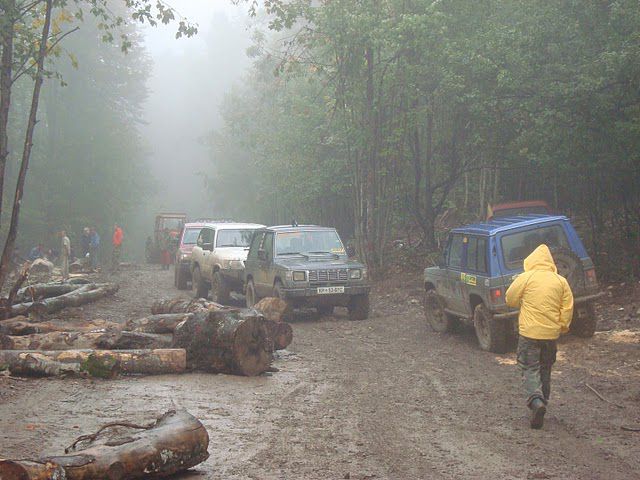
(115, 258)
(535, 359)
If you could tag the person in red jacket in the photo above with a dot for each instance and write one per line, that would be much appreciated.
(118, 236)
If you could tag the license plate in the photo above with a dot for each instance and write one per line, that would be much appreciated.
(330, 290)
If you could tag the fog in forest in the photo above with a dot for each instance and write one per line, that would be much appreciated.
(188, 81)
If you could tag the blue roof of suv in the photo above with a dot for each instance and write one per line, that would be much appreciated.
(497, 225)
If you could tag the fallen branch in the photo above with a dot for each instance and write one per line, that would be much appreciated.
(83, 295)
(630, 429)
(602, 398)
(38, 291)
(97, 363)
(175, 442)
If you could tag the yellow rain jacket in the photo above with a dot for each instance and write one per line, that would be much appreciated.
(544, 297)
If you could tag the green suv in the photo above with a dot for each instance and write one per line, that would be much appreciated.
(305, 265)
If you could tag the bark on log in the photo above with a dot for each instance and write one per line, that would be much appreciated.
(274, 309)
(85, 294)
(232, 341)
(23, 326)
(280, 333)
(104, 339)
(97, 363)
(38, 291)
(161, 323)
(177, 441)
(186, 305)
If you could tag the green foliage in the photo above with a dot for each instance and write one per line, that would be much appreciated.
(402, 111)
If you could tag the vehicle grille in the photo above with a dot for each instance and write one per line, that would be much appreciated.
(340, 275)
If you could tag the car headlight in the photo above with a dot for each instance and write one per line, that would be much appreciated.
(355, 274)
(232, 264)
(185, 256)
(299, 276)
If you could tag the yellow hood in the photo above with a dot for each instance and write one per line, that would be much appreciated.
(540, 259)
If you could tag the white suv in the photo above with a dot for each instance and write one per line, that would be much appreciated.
(217, 260)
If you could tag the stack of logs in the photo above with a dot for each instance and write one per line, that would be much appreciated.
(180, 334)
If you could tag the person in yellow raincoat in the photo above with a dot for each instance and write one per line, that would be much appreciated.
(545, 301)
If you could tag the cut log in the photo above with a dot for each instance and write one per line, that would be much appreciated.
(85, 294)
(274, 309)
(23, 326)
(97, 363)
(230, 341)
(38, 291)
(186, 305)
(105, 339)
(161, 323)
(175, 442)
(280, 333)
(41, 265)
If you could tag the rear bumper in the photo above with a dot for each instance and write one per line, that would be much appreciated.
(576, 301)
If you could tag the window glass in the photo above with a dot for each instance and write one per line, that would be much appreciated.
(190, 236)
(255, 245)
(233, 238)
(455, 251)
(517, 246)
(267, 244)
(477, 254)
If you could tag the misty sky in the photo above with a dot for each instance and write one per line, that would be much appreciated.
(190, 78)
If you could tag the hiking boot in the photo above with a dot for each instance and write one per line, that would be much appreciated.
(538, 409)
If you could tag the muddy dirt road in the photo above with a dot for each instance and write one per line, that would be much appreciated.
(383, 398)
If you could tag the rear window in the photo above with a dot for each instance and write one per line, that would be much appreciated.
(190, 236)
(517, 246)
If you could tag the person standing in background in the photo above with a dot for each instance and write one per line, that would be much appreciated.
(65, 254)
(85, 243)
(94, 245)
(118, 237)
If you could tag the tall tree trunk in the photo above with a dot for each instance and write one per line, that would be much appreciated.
(7, 253)
(6, 62)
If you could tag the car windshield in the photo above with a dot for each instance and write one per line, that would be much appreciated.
(190, 236)
(517, 246)
(309, 241)
(234, 238)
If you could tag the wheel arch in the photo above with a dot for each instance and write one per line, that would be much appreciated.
(428, 285)
(474, 301)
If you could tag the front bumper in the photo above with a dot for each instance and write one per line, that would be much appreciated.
(576, 301)
(312, 291)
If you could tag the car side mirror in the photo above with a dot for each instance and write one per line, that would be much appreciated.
(207, 246)
(262, 255)
(351, 251)
(441, 262)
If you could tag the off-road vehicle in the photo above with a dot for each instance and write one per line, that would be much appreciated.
(217, 260)
(182, 262)
(306, 265)
(480, 262)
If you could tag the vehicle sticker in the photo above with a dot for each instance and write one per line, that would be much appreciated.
(337, 250)
(486, 282)
(468, 279)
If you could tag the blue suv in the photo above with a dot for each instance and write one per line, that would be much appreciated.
(480, 262)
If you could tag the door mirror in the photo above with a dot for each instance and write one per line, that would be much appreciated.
(207, 246)
(442, 261)
(351, 251)
(262, 255)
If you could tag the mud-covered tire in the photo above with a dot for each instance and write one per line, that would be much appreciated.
(325, 310)
(250, 294)
(437, 318)
(584, 321)
(200, 287)
(358, 307)
(220, 289)
(180, 278)
(278, 292)
(492, 333)
(570, 267)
